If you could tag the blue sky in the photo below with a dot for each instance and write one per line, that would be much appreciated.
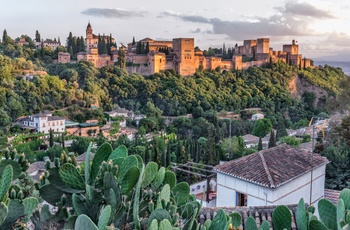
(322, 27)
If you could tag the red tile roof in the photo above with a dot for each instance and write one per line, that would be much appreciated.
(332, 195)
(272, 167)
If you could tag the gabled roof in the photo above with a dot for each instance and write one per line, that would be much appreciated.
(259, 213)
(82, 157)
(272, 167)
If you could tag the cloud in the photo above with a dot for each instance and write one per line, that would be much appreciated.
(188, 18)
(293, 19)
(113, 13)
(339, 39)
(198, 30)
(305, 9)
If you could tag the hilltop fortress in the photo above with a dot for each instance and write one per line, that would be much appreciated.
(149, 56)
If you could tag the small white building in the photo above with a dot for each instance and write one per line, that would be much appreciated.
(257, 116)
(43, 122)
(276, 176)
(122, 112)
(200, 189)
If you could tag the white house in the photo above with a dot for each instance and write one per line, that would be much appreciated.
(43, 122)
(275, 176)
(257, 116)
(199, 189)
(121, 113)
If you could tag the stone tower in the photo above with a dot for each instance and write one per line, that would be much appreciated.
(89, 31)
(89, 43)
(184, 51)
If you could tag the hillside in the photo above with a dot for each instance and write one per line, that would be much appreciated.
(83, 85)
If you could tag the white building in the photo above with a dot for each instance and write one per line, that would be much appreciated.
(276, 176)
(199, 189)
(43, 122)
(257, 116)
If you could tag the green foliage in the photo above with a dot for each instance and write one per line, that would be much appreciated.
(236, 219)
(290, 140)
(104, 217)
(301, 217)
(71, 176)
(83, 222)
(219, 221)
(328, 213)
(250, 224)
(6, 179)
(150, 173)
(101, 155)
(262, 127)
(282, 218)
(3, 212)
(338, 170)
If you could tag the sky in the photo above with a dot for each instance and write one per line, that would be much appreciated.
(321, 27)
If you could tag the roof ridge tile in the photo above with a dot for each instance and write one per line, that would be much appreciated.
(272, 184)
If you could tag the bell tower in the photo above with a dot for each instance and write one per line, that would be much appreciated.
(89, 31)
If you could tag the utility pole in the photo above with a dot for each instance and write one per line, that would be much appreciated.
(312, 157)
(230, 152)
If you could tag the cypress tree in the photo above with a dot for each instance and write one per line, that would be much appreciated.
(281, 129)
(260, 146)
(138, 47)
(99, 44)
(62, 139)
(4, 36)
(168, 160)
(37, 36)
(147, 154)
(51, 138)
(272, 140)
(147, 48)
(133, 40)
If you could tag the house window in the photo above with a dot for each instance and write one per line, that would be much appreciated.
(241, 199)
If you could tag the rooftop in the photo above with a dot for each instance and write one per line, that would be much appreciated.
(259, 213)
(272, 167)
(332, 195)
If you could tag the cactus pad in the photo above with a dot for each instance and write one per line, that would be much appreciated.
(71, 176)
(282, 218)
(150, 173)
(83, 222)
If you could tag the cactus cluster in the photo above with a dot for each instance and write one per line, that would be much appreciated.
(15, 210)
(115, 190)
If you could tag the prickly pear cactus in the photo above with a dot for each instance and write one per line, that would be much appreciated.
(301, 217)
(6, 179)
(282, 218)
(219, 221)
(3, 212)
(83, 222)
(236, 219)
(71, 176)
(328, 213)
(250, 224)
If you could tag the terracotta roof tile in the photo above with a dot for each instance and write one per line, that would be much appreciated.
(332, 195)
(259, 213)
(272, 167)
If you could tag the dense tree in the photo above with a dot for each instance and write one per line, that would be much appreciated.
(121, 58)
(37, 36)
(4, 36)
(281, 129)
(272, 140)
(262, 127)
(80, 145)
(51, 138)
(338, 170)
(147, 48)
(260, 146)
